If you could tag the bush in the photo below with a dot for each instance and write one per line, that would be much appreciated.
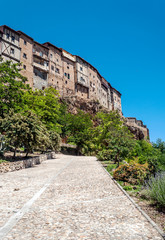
(133, 173)
(55, 141)
(156, 188)
(104, 155)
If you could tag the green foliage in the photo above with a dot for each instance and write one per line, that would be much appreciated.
(12, 86)
(105, 155)
(156, 189)
(159, 145)
(55, 141)
(133, 173)
(79, 130)
(111, 167)
(2, 161)
(24, 129)
(111, 138)
(3, 146)
(45, 104)
(144, 152)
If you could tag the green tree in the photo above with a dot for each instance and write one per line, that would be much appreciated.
(159, 145)
(78, 128)
(111, 137)
(12, 87)
(45, 104)
(55, 141)
(24, 130)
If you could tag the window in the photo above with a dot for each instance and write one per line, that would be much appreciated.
(34, 50)
(66, 82)
(67, 67)
(51, 55)
(24, 55)
(12, 50)
(81, 69)
(25, 43)
(24, 66)
(57, 82)
(7, 35)
(65, 74)
(52, 67)
(68, 76)
(12, 38)
(41, 54)
(57, 70)
(43, 88)
(57, 59)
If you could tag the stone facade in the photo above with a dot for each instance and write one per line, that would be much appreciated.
(55, 76)
(40, 66)
(26, 44)
(116, 100)
(68, 63)
(82, 81)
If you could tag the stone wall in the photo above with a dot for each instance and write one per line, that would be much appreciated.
(137, 127)
(31, 162)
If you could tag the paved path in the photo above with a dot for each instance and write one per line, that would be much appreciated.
(68, 198)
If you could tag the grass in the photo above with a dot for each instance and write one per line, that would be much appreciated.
(1, 161)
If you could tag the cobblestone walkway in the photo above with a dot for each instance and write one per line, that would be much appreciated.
(68, 198)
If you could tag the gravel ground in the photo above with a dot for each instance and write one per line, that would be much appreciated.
(69, 198)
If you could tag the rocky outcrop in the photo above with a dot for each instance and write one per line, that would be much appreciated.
(75, 103)
(139, 135)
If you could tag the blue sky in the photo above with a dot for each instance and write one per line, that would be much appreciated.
(124, 40)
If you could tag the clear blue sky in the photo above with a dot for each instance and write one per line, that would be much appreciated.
(123, 39)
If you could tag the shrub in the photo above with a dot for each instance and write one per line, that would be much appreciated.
(55, 141)
(156, 188)
(133, 173)
(105, 155)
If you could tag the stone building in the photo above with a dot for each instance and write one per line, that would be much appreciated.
(81, 78)
(40, 66)
(10, 44)
(116, 100)
(138, 124)
(104, 93)
(55, 76)
(46, 65)
(68, 64)
(26, 58)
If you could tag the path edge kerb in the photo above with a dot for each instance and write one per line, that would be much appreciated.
(135, 204)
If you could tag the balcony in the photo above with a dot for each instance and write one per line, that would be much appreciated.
(83, 82)
(43, 67)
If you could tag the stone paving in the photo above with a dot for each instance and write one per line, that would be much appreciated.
(68, 198)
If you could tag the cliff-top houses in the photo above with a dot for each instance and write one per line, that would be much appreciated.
(46, 65)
